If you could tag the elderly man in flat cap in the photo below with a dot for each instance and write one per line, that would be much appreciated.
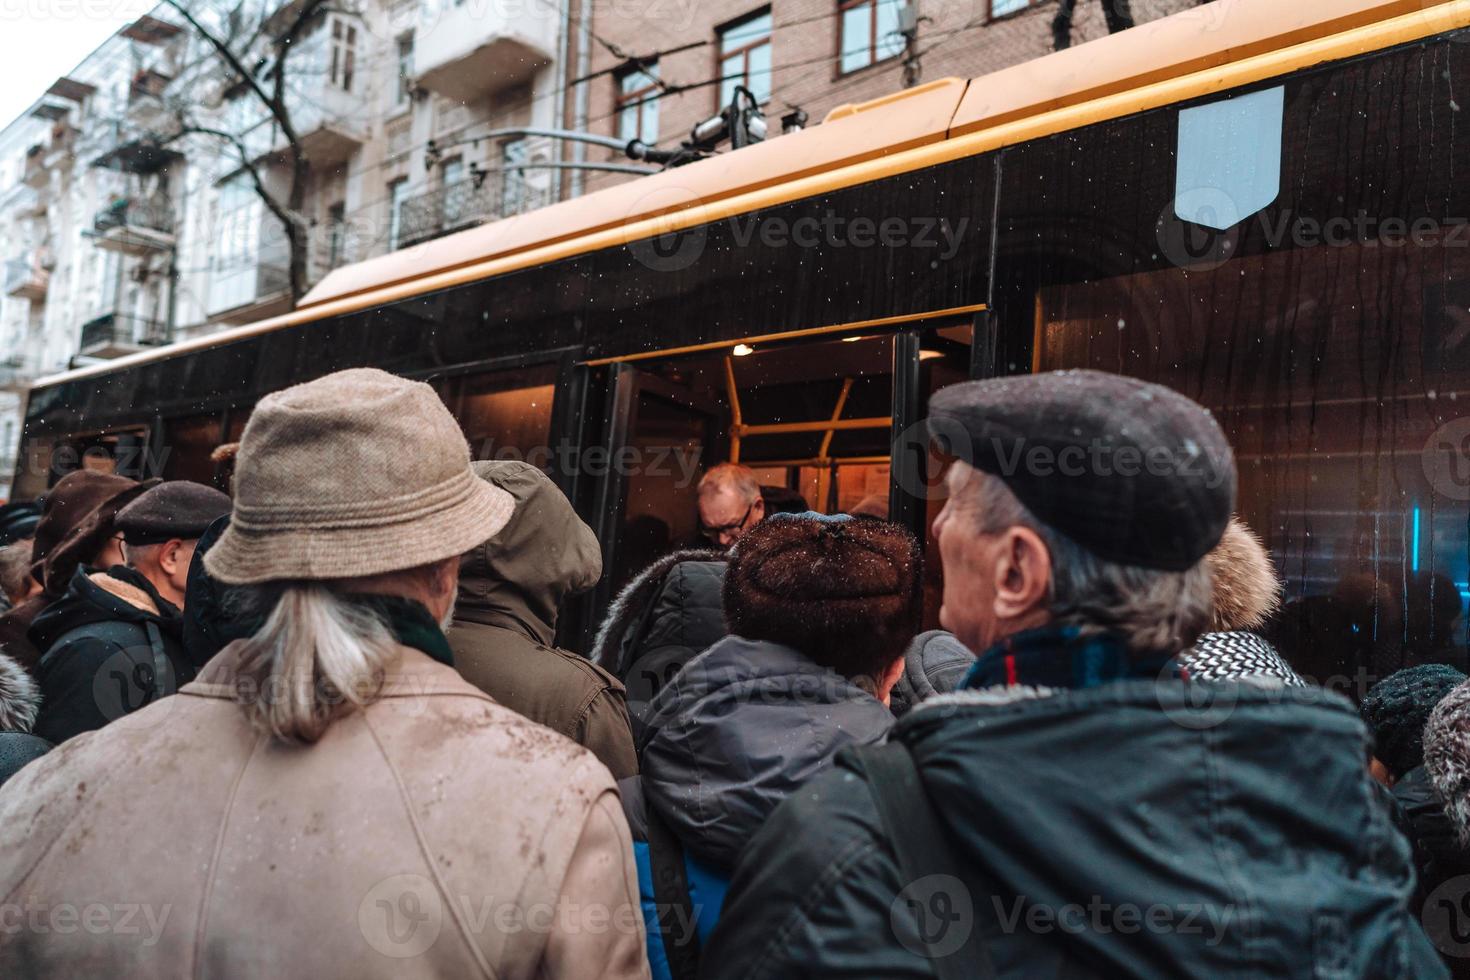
(1081, 807)
(112, 643)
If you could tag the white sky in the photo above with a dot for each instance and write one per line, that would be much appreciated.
(40, 40)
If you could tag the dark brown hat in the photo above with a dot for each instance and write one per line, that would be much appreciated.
(83, 515)
(1134, 472)
(846, 593)
(175, 509)
(72, 501)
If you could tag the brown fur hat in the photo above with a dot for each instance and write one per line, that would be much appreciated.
(846, 593)
(1246, 589)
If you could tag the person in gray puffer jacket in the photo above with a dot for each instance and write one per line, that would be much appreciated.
(820, 610)
(666, 616)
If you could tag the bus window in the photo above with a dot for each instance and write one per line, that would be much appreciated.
(505, 414)
(31, 474)
(187, 445)
(1346, 402)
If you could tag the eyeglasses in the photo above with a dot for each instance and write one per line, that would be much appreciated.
(713, 533)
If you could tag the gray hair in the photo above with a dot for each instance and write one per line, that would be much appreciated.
(1153, 610)
(733, 476)
(317, 656)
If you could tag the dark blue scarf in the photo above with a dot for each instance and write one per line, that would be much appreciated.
(1060, 657)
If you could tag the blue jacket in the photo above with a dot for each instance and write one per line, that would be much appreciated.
(739, 729)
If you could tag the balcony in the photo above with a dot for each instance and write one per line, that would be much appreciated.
(470, 50)
(13, 373)
(35, 175)
(146, 108)
(27, 279)
(463, 204)
(117, 334)
(135, 227)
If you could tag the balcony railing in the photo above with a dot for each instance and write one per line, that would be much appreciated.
(131, 212)
(462, 204)
(114, 334)
(26, 279)
(13, 373)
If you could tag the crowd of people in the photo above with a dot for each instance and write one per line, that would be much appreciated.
(321, 726)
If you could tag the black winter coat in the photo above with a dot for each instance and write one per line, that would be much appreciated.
(1438, 856)
(112, 645)
(1112, 832)
(669, 614)
(735, 733)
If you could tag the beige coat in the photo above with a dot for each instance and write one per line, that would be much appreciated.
(434, 834)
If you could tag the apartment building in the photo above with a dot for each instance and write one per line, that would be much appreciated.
(660, 67)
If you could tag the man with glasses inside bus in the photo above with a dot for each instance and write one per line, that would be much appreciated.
(730, 503)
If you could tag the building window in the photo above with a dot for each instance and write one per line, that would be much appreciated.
(336, 233)
(1004, 8)
(397, 192)
(405, 70)
(870, 33)
(344, 54)
(745, 57)
(513, 190)
(451, 175)
(638, 104)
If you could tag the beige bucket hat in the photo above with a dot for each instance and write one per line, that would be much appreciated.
(357, 473)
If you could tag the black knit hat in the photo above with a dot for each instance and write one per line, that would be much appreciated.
(1134, 472)
(176, 509)
(845, 593)
(1397, 708)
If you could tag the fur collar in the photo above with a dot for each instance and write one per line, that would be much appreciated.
(634, 600)
(20, 697)
(126, 591)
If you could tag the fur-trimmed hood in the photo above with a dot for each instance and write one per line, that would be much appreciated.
(20, 697)
(1246, 587)
(630, 616)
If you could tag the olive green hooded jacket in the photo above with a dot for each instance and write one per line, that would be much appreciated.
(510, 589)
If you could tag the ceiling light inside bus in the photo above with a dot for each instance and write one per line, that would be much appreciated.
(928, 355)
(742, 349)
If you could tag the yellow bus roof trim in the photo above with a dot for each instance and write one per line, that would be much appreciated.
(1403, 29)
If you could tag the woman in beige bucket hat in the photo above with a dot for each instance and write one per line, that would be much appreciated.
(330, 798)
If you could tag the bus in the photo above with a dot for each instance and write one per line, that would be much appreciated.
(1262, 205)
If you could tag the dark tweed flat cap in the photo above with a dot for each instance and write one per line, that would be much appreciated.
(175, 509)
(1134, 472)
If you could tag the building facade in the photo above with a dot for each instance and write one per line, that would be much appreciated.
(145, 196)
